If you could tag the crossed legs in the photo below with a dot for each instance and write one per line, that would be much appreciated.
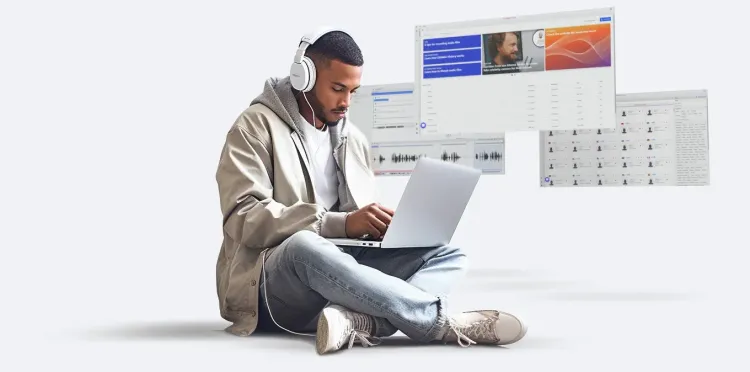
(313, 286)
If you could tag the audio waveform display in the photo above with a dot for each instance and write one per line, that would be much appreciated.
(453, 156)
(488, 156)
(405, 158)
(401, 158)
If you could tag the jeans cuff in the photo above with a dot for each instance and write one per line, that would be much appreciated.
(438, 327)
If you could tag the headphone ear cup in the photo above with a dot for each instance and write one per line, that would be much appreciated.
(298, 76)
(310, 73)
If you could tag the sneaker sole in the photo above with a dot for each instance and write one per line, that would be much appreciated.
(324, 343)
(321, 341)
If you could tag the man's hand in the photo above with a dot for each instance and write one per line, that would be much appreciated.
(372, 219)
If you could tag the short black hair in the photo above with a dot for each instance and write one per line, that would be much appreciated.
(336, 45)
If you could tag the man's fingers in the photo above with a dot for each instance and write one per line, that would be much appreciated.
(382, 216)
(386, 210)
(378, 224)
(373, 230)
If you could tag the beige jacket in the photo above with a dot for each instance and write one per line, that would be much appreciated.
(266, 194)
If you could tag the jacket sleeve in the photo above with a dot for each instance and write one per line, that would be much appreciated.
(251, 216)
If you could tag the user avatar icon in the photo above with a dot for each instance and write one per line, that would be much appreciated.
(600, 165)
(538, 38)
(649, 130)
(649, 113)
(600, 182)
(550, 134)
(598, 131)
(575, 133)
(624, 165)
(552, 183)
(650, 164)
(624, 131)
(575, 149)
(623, 113)
(550, 149)
(650, 182)
(575, 182)
(625, 182)
(551, 167)
(624, 148)
(649, 147)
(575, 165)
(598, 148)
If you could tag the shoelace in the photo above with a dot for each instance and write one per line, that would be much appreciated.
(359, 322)
(483, 329)
(363, 337)
(459, 334)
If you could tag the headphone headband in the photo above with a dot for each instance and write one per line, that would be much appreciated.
(310, 38)
(302, 72)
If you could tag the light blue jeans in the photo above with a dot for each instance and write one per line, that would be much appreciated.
(403, 289)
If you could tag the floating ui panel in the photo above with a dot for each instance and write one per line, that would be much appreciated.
(535, 72)
(661, 139)
(386, 114)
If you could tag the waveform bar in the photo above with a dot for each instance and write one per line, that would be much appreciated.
(454, 157)
(405, 158)
(491, 156)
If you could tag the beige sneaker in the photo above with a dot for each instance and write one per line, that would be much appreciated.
(484, 327)
(338, 325)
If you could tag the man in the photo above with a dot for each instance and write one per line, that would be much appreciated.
(293, 172)
(504, 49)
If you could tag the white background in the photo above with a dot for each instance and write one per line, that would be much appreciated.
(113, 116)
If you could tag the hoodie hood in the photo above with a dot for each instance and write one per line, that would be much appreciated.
(278, 96)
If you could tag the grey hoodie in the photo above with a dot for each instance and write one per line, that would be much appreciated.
(278, 96)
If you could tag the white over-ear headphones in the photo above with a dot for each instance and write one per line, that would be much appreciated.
(302, 73)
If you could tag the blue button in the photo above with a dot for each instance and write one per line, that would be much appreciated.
(546, 179)
(605, 19)
(423, 125)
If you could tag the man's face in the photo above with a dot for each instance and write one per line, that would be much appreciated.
(509, 48)
(335, 83)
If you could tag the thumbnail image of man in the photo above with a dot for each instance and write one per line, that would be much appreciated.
(503, 52)
(505, 48)
(512, 52)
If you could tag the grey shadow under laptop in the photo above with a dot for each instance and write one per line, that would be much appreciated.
(430, 208)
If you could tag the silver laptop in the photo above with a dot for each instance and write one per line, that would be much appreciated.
(430, 208)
